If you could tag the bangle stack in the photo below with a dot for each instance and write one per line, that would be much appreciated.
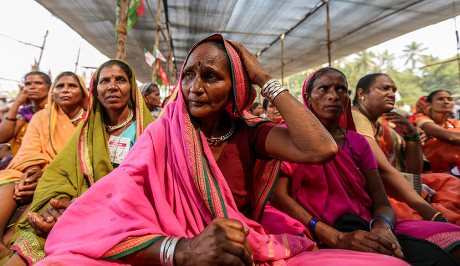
(412, 138)
(379, 217)
(271, 89)
(311, 228)
(167, 250)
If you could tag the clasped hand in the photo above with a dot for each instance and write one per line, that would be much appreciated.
(24, 190)
(42, 224)
(222, 242)
(379, 240)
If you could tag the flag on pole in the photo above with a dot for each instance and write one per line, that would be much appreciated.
(149, 58)
(158, 54)
(35, 66)
(162, 79)
(135, 8)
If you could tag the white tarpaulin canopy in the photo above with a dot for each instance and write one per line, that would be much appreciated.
(257, 24)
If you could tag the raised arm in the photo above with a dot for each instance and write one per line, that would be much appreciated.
(413, 150)
(305, 140)
(10, 126)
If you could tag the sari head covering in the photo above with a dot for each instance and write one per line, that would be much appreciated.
(83, 161)
(346, 120)
(178, 187)
(47, 134)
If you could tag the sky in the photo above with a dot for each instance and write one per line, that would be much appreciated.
(28, 21)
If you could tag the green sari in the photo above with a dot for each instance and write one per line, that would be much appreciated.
(83, 161)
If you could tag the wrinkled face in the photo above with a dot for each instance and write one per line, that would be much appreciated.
(381, 96)
(329, 96)
(113, 88)
(442, 103)
(67, 92)
(258, 111)
(206, 81)
(36, 87)
(153, 99)
(273, 114)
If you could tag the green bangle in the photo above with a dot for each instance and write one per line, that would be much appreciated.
(414, 137)
(10, 119)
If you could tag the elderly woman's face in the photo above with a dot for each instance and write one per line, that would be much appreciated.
(67, 92)
(442, 102)
(206, 80)
(381, 96)
(113, 88)
(329, 96)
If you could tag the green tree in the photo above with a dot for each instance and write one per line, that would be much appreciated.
(440, 75)
(412, 53)
(365, 62)
(386, 60)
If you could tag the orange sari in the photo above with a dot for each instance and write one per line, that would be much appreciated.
(443, 156)
(447, 187)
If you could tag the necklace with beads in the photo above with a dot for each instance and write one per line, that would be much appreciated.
(78, 116)
(112, 128)
(216, 141)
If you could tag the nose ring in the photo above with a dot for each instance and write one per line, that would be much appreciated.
(201, 90)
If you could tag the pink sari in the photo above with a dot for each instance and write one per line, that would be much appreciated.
(327, 191)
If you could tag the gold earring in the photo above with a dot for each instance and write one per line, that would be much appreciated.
(361, 98)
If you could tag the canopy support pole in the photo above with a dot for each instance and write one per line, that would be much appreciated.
(122, 31)
(328, 33)
(282, 58)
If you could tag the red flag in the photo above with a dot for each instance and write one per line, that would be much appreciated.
(161, 74)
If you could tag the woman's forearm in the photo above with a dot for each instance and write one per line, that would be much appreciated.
(312, 143)
(397, 186)
(414, 157)
(8, 124)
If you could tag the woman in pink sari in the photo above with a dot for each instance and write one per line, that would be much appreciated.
(191, 189)
(337, 200)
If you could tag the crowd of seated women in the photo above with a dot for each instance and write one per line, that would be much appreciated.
(209, 183)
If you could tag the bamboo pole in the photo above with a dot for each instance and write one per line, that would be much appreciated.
(122, 31)
(282, 58)
(157, 40)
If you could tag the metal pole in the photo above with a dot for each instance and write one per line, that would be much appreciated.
(78, 58)
(458, 47)
(42, 48)
(328, 34)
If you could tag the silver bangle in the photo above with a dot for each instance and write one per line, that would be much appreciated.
(167, 249)
(271, 89)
